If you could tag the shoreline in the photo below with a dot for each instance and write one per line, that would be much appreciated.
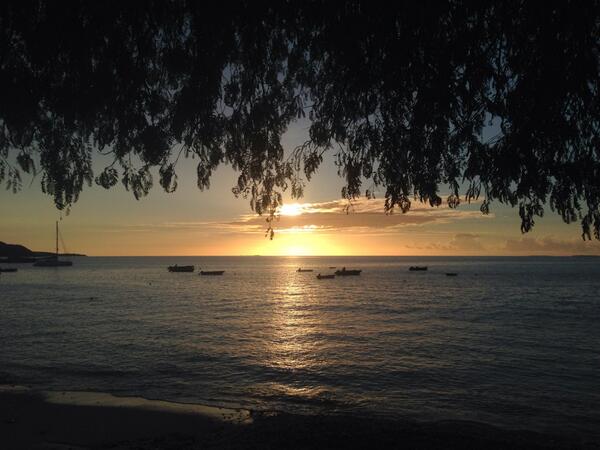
(37, 419)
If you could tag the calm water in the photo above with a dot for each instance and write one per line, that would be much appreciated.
(512, 342)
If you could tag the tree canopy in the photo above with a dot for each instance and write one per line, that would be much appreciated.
(398, 94)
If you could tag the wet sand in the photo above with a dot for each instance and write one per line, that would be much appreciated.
(83, 420)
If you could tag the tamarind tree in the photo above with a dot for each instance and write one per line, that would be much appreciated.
(397, 94)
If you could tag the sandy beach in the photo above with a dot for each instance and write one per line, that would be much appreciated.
(83, 420)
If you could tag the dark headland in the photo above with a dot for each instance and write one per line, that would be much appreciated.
(20, 253)
(61, 420)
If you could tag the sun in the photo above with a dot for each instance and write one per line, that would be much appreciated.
(291, 209)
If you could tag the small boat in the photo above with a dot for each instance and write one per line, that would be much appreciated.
(53, 261)
(332, 267)
(417, 268)
(451, 274)
(325, 277)
(177, 268)
(8, 269)
(304, 270)
(345, 273)
(212, 272)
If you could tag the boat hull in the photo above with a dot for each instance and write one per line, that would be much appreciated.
(53, 263)
(325, 277)
(179, 269)
(347, 273)
(212, 272)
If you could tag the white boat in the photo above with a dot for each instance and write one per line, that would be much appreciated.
(53, 261)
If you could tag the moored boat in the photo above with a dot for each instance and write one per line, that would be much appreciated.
(53, 261)
(451, 274)
(177, 268)
(417, 268)
(304, 270)
(345, 272)
(325, 277)
(212, 272)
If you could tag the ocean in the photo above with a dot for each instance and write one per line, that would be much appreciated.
(513, 342)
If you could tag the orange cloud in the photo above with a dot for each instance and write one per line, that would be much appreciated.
(550, 245)
(361, 216)
(460, 243)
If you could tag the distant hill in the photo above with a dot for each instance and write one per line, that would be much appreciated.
(20, 251)
(14, 250)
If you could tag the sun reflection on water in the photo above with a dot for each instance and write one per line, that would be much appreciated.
(294, 325)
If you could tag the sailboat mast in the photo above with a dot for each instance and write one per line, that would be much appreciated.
(57, 239)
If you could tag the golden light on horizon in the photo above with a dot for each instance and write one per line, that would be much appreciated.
(301, 243)
(297, 251)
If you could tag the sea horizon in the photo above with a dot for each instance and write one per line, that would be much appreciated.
(339, 256)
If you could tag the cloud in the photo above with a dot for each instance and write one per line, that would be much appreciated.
(550, 245)
(466, 241)
(469, 243)
(163, 227)
(460, 243)
(362, 216)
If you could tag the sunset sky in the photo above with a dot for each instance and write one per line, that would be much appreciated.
(214, 222)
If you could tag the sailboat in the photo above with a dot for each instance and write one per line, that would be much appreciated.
(53, 261)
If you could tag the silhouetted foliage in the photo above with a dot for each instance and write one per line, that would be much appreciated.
(398, 94)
